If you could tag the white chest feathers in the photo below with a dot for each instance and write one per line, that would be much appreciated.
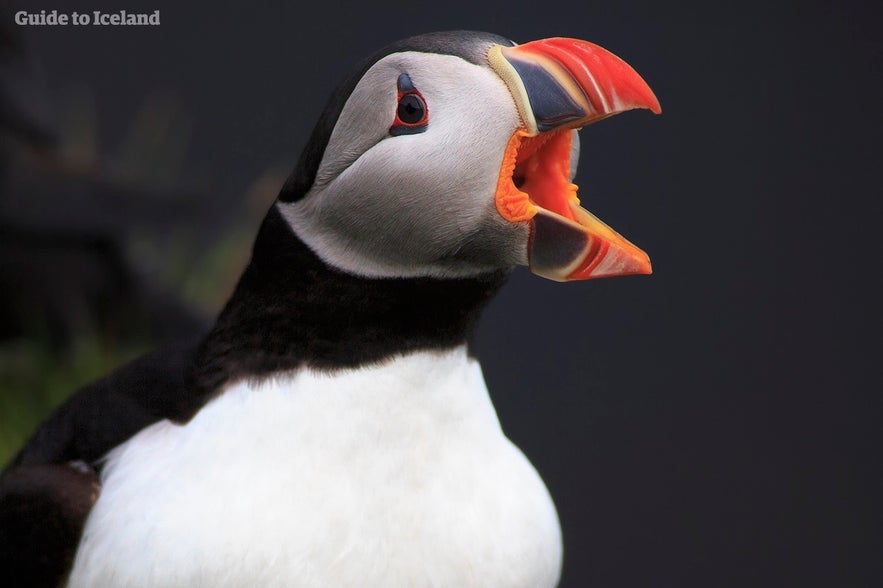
(395, 475)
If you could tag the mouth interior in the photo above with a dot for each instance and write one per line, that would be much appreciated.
(536, 174)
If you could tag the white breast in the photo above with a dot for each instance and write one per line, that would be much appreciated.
(392, 475)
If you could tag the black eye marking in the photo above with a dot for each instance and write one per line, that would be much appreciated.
(405, 84)
(412, 114)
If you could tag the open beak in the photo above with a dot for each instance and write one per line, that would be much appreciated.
(559, 85)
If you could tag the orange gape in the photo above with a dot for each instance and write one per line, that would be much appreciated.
(543, 163)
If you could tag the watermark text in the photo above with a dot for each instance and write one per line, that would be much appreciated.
(50, 18)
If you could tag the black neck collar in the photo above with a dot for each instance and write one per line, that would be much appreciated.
(290, 309)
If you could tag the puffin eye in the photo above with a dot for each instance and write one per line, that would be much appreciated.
(411, 109)
(412, 115)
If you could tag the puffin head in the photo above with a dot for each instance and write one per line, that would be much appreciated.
(449, 155)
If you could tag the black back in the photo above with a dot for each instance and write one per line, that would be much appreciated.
(109, 411)
(42, 510)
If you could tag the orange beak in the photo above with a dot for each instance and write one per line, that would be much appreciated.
(558, 85)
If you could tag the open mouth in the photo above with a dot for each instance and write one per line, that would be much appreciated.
(567, 242)
(536, 174)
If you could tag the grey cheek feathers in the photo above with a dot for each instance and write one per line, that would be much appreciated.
(375, 248)
(363, 122)
(416, 205)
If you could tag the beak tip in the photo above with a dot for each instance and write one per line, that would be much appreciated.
(644, 265)
(641, 267)
(655, 106)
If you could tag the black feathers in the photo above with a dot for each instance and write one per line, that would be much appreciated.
(291, 309)
(42, 512)
(112, 409)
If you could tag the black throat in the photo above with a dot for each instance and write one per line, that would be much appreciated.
(290, 309)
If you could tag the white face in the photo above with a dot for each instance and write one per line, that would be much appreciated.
(415, 204)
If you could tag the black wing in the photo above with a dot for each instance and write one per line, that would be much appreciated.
(46, 492)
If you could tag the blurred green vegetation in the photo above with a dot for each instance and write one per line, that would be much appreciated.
(36, 379)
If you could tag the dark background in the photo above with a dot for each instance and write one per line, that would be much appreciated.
(712, 425)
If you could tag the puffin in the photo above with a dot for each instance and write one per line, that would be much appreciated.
(333, 428)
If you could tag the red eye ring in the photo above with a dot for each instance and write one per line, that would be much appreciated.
(411, 111)
(412, 114)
